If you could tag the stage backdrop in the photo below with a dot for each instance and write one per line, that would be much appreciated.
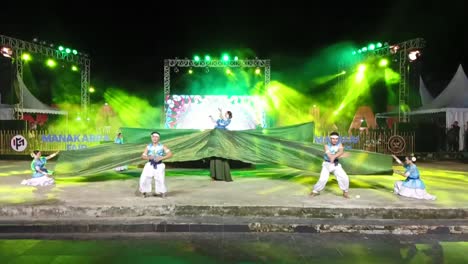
(193, 111)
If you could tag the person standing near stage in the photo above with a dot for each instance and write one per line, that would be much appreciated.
(155, 153)
(466, 137)
(333, 151)
(220, 169)
(412, 186)
(119, 140)
(453, 137)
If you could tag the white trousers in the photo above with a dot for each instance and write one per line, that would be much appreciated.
(159, 175)
(340, 174)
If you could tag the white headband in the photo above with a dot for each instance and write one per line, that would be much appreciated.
(335, 137)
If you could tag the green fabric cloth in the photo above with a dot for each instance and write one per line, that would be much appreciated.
(289, 146)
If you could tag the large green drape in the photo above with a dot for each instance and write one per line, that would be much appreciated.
(289, 146)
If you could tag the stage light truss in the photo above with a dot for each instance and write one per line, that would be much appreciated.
(217, 63)
(183, 63)
(405, 47)
(400, 51)
(20, 46)
(187, 63)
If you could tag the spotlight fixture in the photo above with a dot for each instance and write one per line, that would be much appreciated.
(394, 49)
(414, 55)
(6, 51)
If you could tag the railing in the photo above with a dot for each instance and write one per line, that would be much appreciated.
(21, 142)
(381, 141)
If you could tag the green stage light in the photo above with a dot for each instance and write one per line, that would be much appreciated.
(225, 57)
(379, 45)
(91, 89)
(51, 63)
(74, 68)
(354, 52)
(26, 57)
(207, 58)
(361, 67)
(360, 75)
(257, 71)
(190, 71)
(196, 58)
(236, 58)
(364, 49)
(383, 63)
(228, 71)
(67, 50)
(371, 46)
(359, 51)
(61, 48)
(74, 52)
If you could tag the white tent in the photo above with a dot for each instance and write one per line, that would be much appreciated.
(455, 95)
(426, 97)
(453, 101)
(7, 112)
(31, 104)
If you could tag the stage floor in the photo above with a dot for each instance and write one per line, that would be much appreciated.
(264, 199)
(264, 186)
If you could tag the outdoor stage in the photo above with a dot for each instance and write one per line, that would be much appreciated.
(265, 198)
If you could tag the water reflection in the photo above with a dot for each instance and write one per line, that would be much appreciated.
(237, 248)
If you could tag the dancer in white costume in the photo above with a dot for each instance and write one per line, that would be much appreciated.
(333, 151)
(155, 153)
(412, 187)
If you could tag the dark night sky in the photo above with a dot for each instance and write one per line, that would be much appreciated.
(126, 51)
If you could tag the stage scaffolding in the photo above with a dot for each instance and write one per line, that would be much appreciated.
(187, 63)
(399, 52)
(82, 60)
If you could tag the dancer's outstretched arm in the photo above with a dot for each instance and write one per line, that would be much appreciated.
(397, 160)
(52, 155)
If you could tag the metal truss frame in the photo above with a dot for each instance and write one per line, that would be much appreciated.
(184, 63)
(401, 50)
(20, 46)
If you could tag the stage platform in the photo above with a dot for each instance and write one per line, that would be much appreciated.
(260, 199)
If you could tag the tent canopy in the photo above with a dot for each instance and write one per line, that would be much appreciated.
(455, 95)
(30, 103)
(453, 101)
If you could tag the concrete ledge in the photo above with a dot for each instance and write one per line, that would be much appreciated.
(61, 211)
(242, 225)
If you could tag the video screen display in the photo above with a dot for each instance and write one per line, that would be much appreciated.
(193, 111)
